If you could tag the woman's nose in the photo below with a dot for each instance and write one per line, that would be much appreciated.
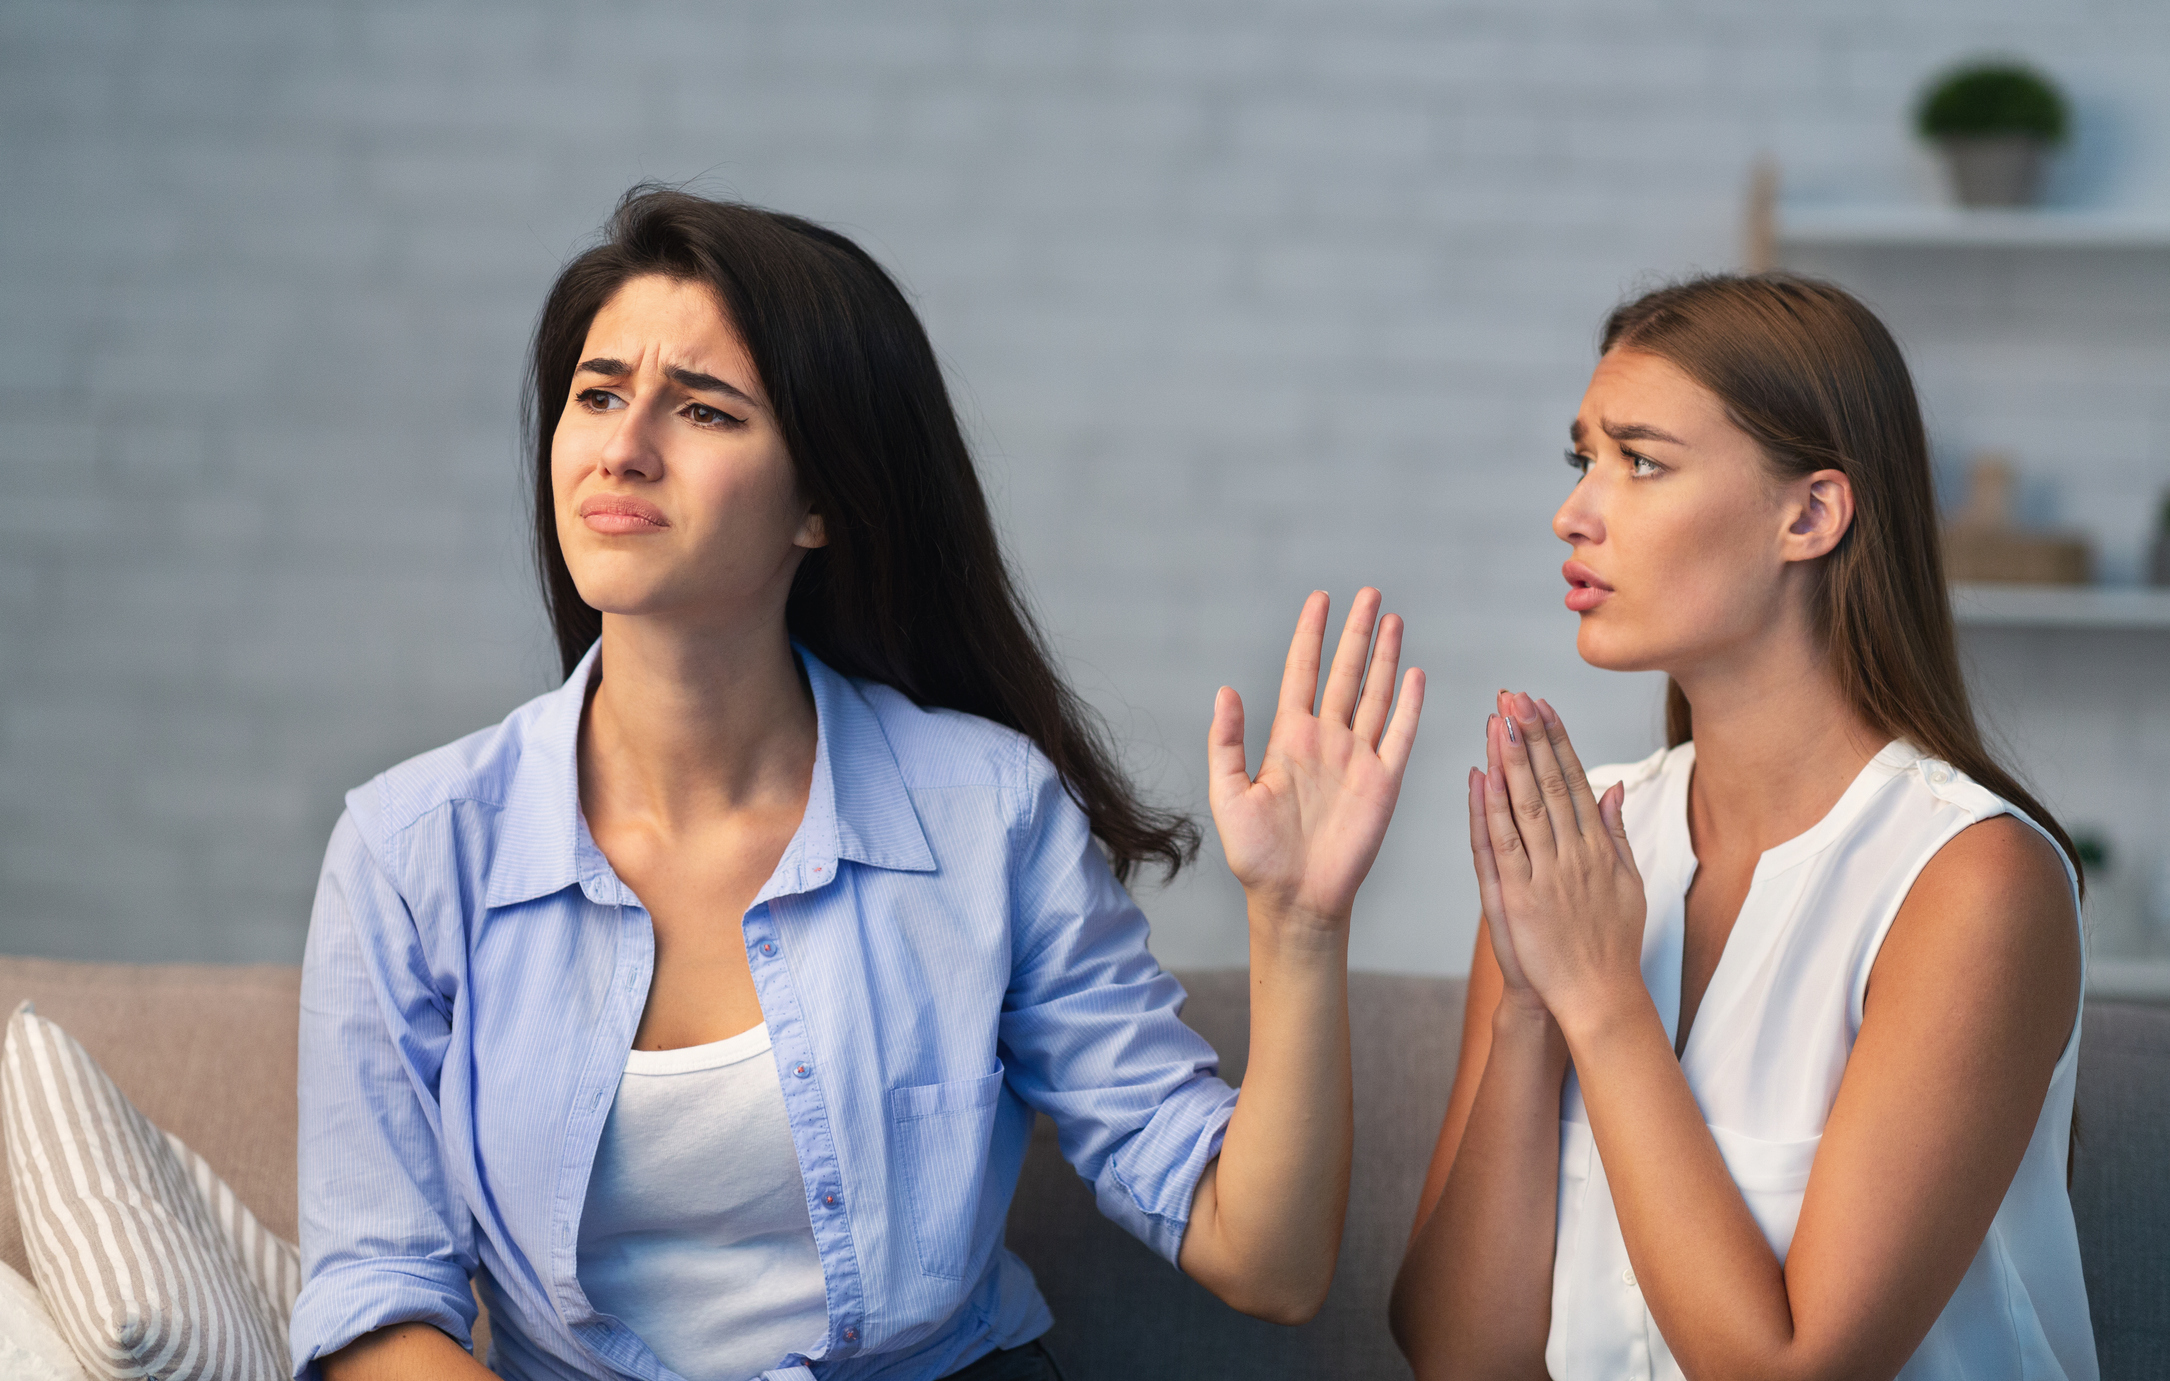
(630, 452)
(1578, 520)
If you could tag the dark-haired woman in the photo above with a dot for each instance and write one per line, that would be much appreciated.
(699, 1012)
(1767, 1067)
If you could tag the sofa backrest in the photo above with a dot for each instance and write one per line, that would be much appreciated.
(2121, 1185)
(1122, 1313)
(208, 1053)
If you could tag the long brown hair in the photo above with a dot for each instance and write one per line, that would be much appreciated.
(912, 589)
(1810, 373)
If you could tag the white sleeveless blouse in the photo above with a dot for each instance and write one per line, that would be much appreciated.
(1765, 1057)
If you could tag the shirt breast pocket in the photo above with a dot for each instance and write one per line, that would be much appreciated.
(1773, 1176)
(943, 1135)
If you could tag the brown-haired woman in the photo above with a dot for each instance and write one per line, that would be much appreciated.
(1767, 1067)
(699, 1012)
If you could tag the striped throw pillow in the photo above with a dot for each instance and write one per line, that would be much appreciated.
(148, 1265)
(31, 1349)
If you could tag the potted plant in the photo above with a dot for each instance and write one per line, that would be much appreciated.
(1993, 121)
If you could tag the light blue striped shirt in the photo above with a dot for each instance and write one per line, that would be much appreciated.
(941, 952)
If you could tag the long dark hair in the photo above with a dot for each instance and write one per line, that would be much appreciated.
(1810, 373)
(911, 590)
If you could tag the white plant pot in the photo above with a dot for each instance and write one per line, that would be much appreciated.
(1995, 170)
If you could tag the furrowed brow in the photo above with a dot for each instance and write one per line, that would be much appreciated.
(605, 366)
(707, 383)
(1640, 431)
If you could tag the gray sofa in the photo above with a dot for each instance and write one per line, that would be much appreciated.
(209, 1053)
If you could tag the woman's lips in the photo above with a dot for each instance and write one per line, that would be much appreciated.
(618, 516)
(1589, 590)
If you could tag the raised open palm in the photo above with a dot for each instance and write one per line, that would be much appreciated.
(1301, 835)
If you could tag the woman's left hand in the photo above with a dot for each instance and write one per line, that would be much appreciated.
(1301, 835)
(1569, 892)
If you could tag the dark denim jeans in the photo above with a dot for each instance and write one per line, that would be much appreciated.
(1027, 1363)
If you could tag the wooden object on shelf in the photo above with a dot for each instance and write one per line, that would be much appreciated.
(1759, 246)
(1982, 545)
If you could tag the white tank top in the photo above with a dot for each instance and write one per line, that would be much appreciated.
(696, 1232)
(1765, 1056)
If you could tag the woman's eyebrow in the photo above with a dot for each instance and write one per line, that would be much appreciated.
(1640, 431)
(709, 383)
(694, 379)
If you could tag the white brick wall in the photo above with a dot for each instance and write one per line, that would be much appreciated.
(1238, 299)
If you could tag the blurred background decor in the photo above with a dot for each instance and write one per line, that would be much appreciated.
(2158, 552)
(1982, 543)
(1238, 301)
(1994, 124)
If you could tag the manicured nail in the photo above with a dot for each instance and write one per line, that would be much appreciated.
(1551, 715)
(1510, 731)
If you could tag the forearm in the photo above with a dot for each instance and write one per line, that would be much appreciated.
(403, 1352)
(1475, 1291)
(1704, 1267)
(1266, 1222)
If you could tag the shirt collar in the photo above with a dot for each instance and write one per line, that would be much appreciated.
(857, 807)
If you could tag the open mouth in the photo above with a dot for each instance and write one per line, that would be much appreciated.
(1587, 588)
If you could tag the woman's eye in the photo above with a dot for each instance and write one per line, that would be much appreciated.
(598, 400)
(1641, 467)
(1580, 464)
(702, 415)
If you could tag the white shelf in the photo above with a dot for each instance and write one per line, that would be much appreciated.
(2060, 606)
(1945, 226)
(2129, 980)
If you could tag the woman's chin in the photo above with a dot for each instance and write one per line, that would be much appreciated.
(1606, 650)
(615, 594)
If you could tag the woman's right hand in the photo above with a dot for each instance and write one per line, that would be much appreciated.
(1518, 990)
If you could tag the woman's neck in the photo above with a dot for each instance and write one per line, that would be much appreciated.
(1776, 744)
(691, 723)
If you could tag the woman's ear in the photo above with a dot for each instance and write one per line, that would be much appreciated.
(1822, 510)
(813, 532)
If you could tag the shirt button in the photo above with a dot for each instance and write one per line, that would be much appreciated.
(1627, 1277)
(829, 1199)
(802, 1070)
(851, 1335)
(768, 947)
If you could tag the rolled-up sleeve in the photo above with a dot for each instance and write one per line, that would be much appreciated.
(1090, 1030)
(383, 1240)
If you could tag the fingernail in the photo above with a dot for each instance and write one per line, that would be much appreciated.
(1552, 716)
(1510, 732)
(1524, 707)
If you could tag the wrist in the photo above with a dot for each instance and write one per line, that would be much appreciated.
(1597, 1014)
(1526, 1036)
(1521, 1011)
(1286, 931)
